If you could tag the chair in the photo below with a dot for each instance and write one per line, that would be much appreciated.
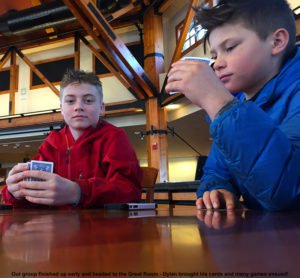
(148, 182)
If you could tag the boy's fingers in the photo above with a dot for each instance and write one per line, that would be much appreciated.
(206, 200)
(229, 200)
(200, 204)
(215, 198)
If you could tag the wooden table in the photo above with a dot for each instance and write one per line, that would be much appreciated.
(180, 242)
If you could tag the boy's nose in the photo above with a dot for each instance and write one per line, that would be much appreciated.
(219, 63)
(79, 105)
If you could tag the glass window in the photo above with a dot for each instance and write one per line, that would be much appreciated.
(195, 34)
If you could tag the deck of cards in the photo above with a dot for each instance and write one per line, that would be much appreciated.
(46, 166)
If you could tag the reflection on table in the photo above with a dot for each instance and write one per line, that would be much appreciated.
(164, 243)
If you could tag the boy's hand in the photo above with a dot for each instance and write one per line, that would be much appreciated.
(198, 82)
(15, 175)
(216, 199)
(54, 190)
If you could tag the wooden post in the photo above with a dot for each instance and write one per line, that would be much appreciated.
(12, 83)
(76, 52)
(298, 27)
(157, 143)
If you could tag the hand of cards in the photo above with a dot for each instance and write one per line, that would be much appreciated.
(46, 166)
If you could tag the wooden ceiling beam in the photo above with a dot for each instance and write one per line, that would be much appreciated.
(31, 120)
(5, 58)
(121, 12)
(164, 5)
(116, 73)
(89, 16)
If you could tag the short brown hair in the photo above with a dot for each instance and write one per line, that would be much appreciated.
(262, 16)
(80, 76)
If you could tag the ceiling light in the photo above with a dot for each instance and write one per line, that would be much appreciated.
(172, 106)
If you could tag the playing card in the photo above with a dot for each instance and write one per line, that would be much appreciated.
(46, 166)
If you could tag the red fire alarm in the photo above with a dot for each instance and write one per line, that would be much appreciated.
(154, 146)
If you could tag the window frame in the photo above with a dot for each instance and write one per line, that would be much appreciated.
(33, 87)
(17, 79)
(179, 28)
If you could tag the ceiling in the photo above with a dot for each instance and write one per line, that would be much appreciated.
(22, 23)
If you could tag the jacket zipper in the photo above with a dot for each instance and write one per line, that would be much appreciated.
(67, 157)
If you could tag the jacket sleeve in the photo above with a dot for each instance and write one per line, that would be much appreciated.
(262, 155)
(123, 175)
(216, 175)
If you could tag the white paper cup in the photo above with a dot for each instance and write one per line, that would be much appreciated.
(198, 59)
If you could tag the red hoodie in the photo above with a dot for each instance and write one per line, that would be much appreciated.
(102, 161)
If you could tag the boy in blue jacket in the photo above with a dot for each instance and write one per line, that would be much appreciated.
(256, 134)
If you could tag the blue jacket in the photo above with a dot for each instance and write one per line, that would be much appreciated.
(256, 146)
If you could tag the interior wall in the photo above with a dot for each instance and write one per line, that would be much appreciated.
(180, 169)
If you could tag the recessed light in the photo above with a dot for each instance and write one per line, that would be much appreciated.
(27, 146)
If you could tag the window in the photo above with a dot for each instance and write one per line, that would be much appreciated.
(135, 48)
(194, 36)
(52, 69)
(5, 80)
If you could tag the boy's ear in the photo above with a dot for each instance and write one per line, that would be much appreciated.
(102, 108)
(61, 110)
(280, 39)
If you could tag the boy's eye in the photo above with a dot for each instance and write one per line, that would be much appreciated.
(69, 101)
(89, 100)
(229, 49)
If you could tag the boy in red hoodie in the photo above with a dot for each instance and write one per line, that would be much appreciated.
(94, 162)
